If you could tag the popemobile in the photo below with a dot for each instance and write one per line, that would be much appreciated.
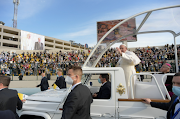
(49, 104)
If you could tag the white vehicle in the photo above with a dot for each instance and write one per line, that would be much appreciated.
(48, 104)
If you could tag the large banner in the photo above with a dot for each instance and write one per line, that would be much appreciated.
(124, 29)
(32, 41)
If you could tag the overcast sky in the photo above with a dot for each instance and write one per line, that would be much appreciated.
(76, 19)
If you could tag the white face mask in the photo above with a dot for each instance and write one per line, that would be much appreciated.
(68, 80)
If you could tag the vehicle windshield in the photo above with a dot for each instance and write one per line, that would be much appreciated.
(116, 31)
(85, 78)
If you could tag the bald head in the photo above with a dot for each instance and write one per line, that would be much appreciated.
(165, 68)
(43, 74)
(123, 48)
(59, 73)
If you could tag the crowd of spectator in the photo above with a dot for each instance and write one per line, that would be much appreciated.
(36, 63)
(152, 58)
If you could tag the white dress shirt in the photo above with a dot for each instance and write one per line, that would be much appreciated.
(104, 83)
(75, 85)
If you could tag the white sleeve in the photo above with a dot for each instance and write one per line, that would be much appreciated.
(131, 58)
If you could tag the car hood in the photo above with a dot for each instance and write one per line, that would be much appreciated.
(50, 95)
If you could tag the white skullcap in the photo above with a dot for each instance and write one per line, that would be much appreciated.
(124, 45)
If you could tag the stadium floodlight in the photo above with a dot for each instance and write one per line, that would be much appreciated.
(71, 41)
(18, 2)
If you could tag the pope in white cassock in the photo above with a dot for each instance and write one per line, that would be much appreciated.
(127, 62)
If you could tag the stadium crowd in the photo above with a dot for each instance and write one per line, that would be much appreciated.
(36, 63)
(152, 58)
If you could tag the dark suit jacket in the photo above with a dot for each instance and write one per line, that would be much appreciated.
(20, 77)
(165, 106)
(44, 84)
(7, 114)
(77, 104)
(169, 82)
(38, 46)
(9, 100)
(105, 91)
(60, 82)
(169, 78)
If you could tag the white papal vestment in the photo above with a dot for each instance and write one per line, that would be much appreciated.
(127, 61)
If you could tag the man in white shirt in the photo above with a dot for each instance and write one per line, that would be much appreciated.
(8, 71)
(127, 61)
(173, 107)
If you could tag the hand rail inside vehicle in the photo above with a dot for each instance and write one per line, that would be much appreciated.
(168, 74)
(131, 88)
(140, 100)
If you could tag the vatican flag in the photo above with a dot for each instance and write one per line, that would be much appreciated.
(20, 96)
(54, 86)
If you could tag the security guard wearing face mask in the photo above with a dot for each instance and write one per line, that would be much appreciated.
(78, 102)
(105, 89)
(60, 81)
(173, 107)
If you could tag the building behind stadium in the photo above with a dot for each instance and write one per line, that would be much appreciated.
(10, 39)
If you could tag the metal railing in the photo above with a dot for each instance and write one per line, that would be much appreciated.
(132, 93)
(163, 77)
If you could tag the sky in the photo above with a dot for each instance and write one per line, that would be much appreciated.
(77, 19)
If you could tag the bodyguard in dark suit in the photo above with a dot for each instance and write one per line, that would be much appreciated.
(20, 76)
(105, 89)
(60, 81)
(44, 83)
(7, 114)
(173, 107)
(78, 102)
(9, 99)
